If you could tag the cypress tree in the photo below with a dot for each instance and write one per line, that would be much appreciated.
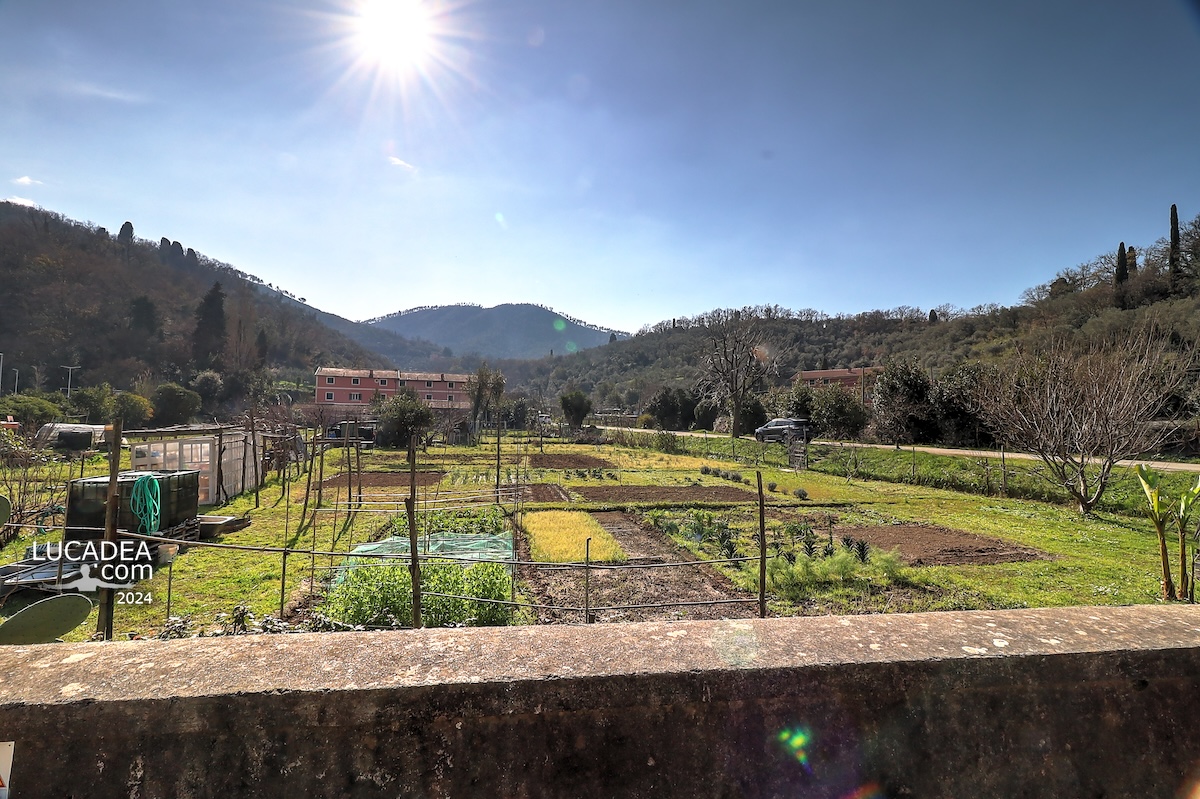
(1173, 257)
(1131, 256)
(1122, 273)
(208, 342)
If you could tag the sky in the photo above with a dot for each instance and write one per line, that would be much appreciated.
(621, 161)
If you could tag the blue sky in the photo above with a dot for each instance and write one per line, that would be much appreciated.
(621, 161)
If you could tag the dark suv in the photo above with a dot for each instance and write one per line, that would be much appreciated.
(785, 430)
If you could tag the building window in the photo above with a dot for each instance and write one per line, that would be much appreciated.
(401, 383)
(450, 384)
(383, 381)
(449, 398)
(329, 396)
(429, 398)
(329, 381)
(354, 381)
(428, 384)
(356, 397)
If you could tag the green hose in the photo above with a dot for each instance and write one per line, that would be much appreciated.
(145, 504)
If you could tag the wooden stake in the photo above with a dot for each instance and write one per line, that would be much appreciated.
(410, 507)
(762, 550)
(104, 619)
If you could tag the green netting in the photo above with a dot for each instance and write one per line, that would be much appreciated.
(481, 547)
(456, 545)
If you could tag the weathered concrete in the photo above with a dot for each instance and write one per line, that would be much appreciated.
(1067, 702)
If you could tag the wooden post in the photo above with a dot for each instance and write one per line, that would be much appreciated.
(762, 550)
(410, 507)
(217, 492)
(104, 619)
(497, 458)
(254, 455)
(1003, 474)
(307, 485)
(320, 441)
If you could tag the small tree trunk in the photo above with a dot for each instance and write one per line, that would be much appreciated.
(1168, 586)
(1183, 570)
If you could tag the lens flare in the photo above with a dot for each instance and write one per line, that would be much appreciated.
(560, 325)
(869, 791)
(796, 741)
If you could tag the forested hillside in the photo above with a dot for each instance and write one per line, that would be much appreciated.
(510, 330)
(128, 310)
(1104, 296)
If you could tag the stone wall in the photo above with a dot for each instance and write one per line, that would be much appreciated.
(1072, 702)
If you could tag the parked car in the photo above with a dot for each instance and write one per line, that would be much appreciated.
(785, 430)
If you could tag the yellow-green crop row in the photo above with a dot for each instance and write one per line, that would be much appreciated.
(558, 536)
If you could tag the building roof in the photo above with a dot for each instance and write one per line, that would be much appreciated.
(331, 371)
(818, 374)
(434, 376)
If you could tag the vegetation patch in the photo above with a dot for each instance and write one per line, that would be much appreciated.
(559, 536)
(548, 460)
(386, 479)
(681, 494)
(381, 596)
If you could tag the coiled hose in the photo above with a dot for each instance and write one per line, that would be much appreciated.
(145, 502)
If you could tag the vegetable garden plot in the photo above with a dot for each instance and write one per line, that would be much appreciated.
(680, 494)
(636, 586)
(928, 545)
(567, 461)
(386, 479)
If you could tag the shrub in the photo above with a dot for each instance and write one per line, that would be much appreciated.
(668, 442)
(705, 470)
(381, 596)
(771, 486)
(800, 493)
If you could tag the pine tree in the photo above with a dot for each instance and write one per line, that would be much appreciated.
(208, 342)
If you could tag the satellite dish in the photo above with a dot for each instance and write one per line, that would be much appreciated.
(45, 621)
(5, 510)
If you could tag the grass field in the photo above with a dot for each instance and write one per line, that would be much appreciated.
(560, 536)
(1108, 558)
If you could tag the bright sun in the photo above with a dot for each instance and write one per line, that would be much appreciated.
(395, 34)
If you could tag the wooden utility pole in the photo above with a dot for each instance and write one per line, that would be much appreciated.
(104, 619)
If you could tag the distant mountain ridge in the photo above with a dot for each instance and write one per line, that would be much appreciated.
(509, 330)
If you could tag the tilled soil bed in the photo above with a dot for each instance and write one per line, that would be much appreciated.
(609, 587)
(928, 545)
(680, 494)
(541, 460)
(387, 479)
(545, 492)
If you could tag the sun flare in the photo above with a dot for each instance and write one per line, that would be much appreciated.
(397, 35)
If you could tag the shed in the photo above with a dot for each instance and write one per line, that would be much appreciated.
(223, 455)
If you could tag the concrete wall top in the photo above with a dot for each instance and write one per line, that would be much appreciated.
(64, 673)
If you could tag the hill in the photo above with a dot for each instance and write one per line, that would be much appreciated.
(515, 331)
(1160, 286)
(125, 310)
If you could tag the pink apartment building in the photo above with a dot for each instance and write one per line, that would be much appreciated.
(357, 387)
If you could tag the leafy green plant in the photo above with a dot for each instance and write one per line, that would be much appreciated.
(1159, 512)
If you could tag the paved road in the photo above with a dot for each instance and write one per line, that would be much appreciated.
(1165, 466)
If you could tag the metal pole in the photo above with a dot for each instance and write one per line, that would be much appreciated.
(70, 371)
(282, 584)
(762, 551)
(587, 571)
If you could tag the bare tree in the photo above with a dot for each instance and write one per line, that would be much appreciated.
(737, 361)
(1080, 410)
